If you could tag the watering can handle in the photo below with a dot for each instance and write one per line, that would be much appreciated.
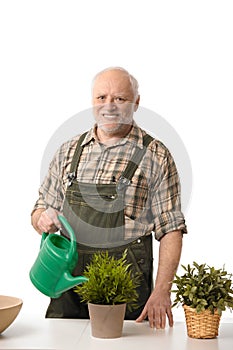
(44, 236)
(71, 233)
(69, 230)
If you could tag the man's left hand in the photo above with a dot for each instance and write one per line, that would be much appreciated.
(157, 308)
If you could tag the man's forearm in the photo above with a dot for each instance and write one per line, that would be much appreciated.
(169, 257)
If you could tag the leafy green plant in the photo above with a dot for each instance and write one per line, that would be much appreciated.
(110, 281)
(203, 287)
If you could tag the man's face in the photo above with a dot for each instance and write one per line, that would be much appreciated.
(113, 102)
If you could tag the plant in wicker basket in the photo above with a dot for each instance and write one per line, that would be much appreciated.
(204, 292)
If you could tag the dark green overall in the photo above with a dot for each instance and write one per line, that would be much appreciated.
(96, 213)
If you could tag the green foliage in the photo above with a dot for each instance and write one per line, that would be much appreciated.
(203, 287)
(110, 281)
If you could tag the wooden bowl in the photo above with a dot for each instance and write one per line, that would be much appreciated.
(9, 309)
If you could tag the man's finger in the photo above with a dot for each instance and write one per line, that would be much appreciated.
(52, 215)
(170, 317)
(142, 316)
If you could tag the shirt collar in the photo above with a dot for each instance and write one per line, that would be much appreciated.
(135, 136)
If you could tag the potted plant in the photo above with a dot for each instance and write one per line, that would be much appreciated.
(204, 292)
(110, 286)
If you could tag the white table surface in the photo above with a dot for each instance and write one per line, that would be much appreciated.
(35, 332)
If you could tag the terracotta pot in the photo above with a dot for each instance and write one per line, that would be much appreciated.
(106, 320)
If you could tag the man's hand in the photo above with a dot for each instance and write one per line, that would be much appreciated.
(46, 220)
(158, 306)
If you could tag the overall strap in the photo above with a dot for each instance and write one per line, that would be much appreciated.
(74, 163)
(127, 174)
(132, 165)
(77, 153)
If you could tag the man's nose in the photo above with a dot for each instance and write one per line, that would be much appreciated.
(110, 103)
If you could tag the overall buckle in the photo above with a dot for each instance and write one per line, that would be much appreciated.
(122, 183)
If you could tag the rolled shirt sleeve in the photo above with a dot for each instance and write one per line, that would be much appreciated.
(51, 191)
(166, 196)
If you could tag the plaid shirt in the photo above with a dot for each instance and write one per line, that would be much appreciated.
(152, 201)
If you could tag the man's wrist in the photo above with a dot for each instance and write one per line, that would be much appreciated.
(163, 288)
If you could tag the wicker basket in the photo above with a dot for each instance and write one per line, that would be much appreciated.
(203, 325)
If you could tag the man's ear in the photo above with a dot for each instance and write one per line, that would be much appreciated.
(136, 103)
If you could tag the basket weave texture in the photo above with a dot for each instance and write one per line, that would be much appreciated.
(202, 325)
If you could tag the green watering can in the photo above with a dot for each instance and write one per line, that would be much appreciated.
(51, 273)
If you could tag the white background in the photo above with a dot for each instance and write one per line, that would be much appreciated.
(180, 52)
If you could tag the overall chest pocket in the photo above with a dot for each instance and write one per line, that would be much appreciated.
(97, 205)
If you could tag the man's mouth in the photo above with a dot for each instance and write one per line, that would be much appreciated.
(110, 116)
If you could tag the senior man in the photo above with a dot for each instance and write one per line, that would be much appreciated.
(117, 186)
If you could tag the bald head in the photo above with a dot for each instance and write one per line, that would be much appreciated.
(118, 73)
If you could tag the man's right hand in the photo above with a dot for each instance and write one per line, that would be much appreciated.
(45, 220)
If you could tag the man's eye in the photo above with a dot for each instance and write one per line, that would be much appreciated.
(120, 99)
(100, 98)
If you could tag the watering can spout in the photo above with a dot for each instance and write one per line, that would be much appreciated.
(67, 281)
